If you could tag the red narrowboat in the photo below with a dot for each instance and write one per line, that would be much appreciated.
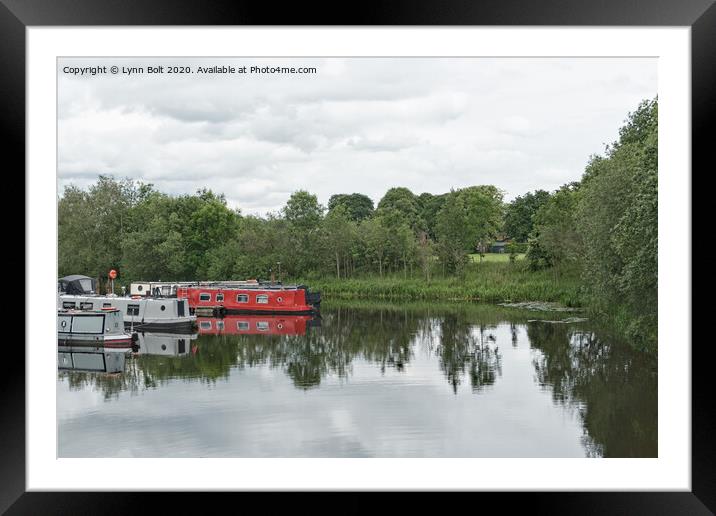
(236, 300)
(235, 297)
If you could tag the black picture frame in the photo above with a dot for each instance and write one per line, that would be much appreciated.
(17, 15)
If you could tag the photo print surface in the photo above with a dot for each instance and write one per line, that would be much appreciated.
(357, 257)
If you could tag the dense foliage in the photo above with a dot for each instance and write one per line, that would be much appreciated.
(608, 226)
(146, 234)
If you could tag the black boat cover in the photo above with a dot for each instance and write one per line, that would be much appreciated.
(77, 284)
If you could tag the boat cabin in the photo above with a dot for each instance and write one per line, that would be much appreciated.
(90, 322)
(77, 284)
(95, 329)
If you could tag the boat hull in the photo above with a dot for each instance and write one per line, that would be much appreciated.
(95, 344)
(186, 326)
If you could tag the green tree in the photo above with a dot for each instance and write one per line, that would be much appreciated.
(520, 213)
(618, 223)
(483, 215)
(92, 225)
(304, 214)
(555, 240)
(339, 235)
(401, 202)
(208, 227)
(453, 240)
(469, 219)
(430, 205)
(358, 206)
(374, 234)
(303, 211)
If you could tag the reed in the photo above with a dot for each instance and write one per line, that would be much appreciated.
(492, 282)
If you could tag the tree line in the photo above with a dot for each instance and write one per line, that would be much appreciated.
(146, 234)
(603, 226)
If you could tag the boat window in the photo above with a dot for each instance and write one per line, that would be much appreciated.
(64, 322)
(219, 297)
(180, 308)
(242, 298)
(242, 325)
(68, 304)
(204, 296)
(88, 324)
(262, 299)
(132, 309)
(106, 305)
(219, 325)
(86, 306)
(262, 325)
(86, 285)
(205, 325)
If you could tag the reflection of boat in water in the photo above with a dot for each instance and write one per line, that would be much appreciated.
(93, 329)
(168, 344)
(147, 313)
(92, 341)
(257, 324)
(104, 361)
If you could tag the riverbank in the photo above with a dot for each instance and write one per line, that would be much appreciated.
(491, 282)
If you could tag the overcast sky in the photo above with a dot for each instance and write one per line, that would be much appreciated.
(357, 125)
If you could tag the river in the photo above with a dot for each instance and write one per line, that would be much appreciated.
(368, 380)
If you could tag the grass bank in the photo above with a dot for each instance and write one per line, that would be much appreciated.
(490, 281)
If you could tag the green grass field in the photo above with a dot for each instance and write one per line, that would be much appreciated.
(495, 257)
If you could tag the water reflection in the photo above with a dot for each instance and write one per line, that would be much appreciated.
(610, 387)
(468, 350)
(613, 388)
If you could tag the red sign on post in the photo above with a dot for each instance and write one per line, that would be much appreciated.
(113, 274)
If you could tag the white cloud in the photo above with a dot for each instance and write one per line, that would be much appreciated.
(358, 125)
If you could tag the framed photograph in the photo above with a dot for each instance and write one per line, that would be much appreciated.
(433, 248)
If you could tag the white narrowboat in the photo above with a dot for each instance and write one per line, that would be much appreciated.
(146, 313)
(91, 330)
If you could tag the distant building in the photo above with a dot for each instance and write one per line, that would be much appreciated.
(499, 246)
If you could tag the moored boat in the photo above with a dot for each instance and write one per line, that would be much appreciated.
(92, 330)
(142, 313)
(236, 297)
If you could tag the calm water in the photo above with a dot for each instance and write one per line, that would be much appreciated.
(390, 381)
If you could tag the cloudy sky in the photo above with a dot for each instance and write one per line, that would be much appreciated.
(356, 125)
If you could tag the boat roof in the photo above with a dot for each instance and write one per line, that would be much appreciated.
(74, 277)
(75, 311)
(264, 286)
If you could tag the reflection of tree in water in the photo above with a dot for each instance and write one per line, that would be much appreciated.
(462, 352)
(613, 388)
(144, 371)
(110, 385)
(381, 335)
